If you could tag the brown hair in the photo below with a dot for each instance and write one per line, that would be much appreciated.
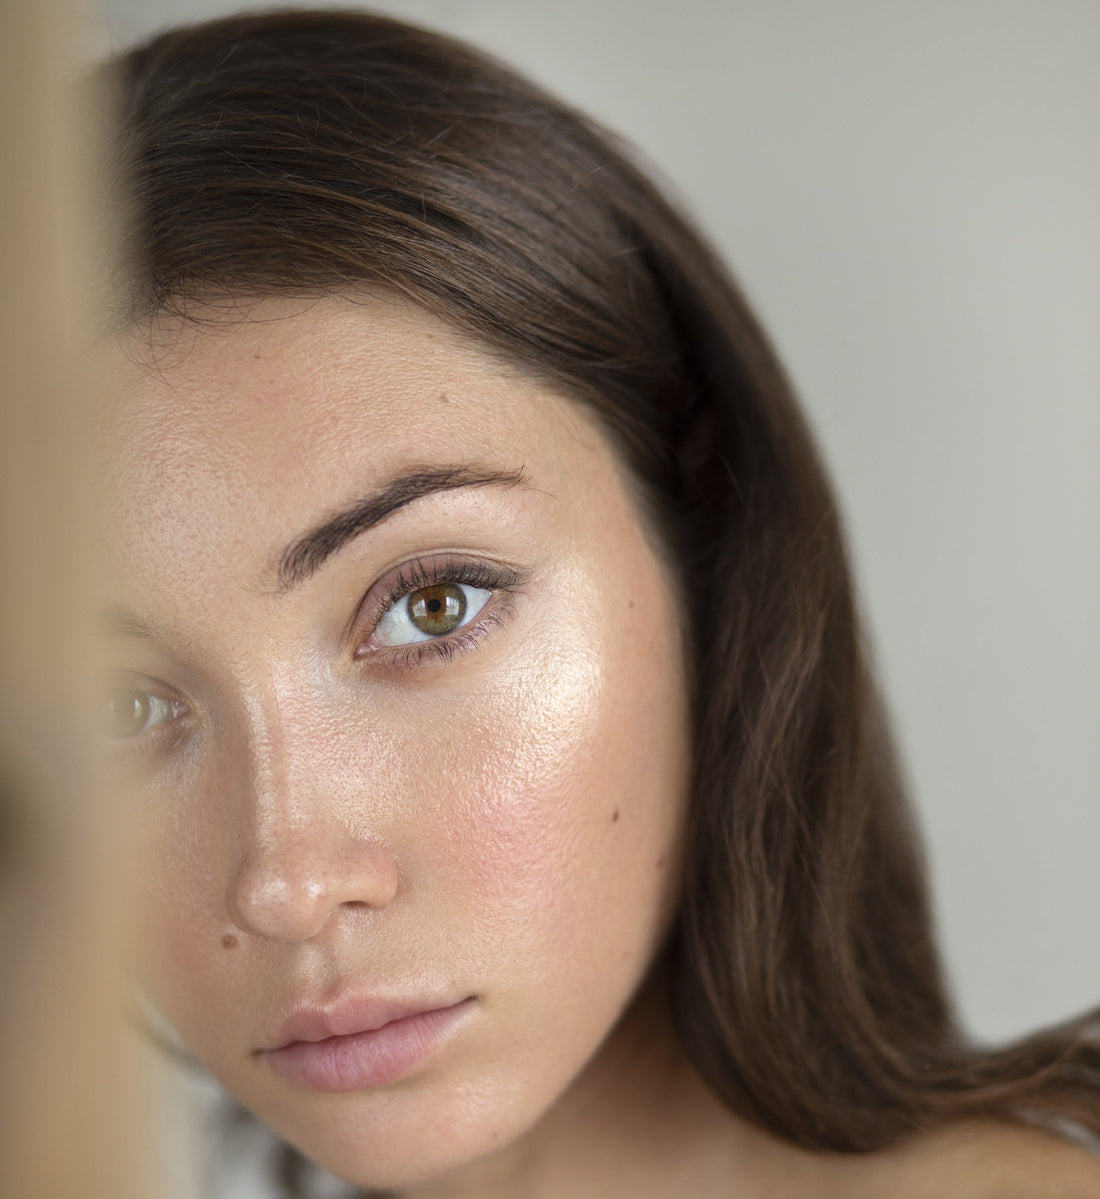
(326, 151)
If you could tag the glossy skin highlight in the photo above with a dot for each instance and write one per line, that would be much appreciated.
(331, 816)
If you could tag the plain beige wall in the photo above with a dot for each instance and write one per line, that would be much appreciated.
(909, 192)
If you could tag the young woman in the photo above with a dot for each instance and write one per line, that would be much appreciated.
(521, 820)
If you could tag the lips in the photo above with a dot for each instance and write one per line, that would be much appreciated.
(362, 1043)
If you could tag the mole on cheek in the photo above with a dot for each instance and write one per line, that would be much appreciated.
(229, 941)
(614, 815)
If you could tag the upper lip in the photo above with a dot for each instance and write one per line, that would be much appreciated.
(348, 1015)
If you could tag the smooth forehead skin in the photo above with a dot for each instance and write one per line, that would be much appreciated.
(503, 825)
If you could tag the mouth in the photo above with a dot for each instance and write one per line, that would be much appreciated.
(358, 1045)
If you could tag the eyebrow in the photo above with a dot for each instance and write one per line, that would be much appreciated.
(306, 554)
(121, 622)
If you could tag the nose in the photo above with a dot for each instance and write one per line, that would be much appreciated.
(305, 858)
(297, 879)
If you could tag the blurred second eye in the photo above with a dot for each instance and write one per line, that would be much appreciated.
(126, 713)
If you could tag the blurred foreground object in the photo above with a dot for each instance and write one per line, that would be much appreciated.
(67, 1069)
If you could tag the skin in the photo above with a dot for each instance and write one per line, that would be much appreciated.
(321, 812)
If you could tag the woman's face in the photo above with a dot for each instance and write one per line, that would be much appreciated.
(401, 692)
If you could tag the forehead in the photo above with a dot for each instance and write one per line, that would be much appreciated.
(248, 428)
(290, 376)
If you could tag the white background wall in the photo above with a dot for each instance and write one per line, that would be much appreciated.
(909, 192)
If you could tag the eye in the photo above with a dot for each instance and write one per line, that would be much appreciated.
(430, 612)
(127, 713)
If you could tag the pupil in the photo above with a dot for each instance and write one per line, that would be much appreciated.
(434, 605)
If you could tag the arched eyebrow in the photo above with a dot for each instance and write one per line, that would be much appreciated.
(306, 554)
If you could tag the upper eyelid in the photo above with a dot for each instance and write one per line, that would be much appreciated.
(426, 570)
(121, 679)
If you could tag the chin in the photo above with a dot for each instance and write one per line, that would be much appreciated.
(405, 1134)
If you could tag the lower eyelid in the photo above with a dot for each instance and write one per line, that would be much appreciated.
(446, 649)
(497, 611)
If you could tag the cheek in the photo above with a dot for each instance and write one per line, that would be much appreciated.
(565, 788)
(181, 957)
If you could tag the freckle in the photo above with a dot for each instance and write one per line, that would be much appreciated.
(229, 941)
(444, 398)
(661, 861)
(257, 357)
(614, 815)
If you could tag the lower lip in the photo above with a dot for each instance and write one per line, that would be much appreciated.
(367, 1059)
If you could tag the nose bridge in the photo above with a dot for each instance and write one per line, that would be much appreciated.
(273, 736)
(306, 849)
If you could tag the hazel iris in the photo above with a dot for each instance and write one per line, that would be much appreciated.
(437, 610)
(124, 714)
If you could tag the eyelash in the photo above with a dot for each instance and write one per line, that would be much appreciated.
(412, 576)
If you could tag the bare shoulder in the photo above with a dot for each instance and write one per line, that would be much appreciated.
(983, 1160)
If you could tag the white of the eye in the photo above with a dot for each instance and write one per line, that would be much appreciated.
(160, 710)
(396, 626)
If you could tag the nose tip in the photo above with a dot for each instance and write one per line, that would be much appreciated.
(289, 891)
